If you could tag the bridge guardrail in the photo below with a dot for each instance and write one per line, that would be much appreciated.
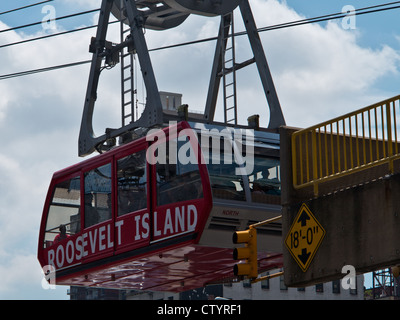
(351, 143)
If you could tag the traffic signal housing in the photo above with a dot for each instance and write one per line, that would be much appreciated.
(248, 253)
(395, 271)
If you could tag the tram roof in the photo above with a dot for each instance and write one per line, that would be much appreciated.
(262, 139)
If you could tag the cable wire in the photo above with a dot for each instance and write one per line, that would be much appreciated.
(295, 23)
(263, 29)
(28, 72)
(52, 35)
(333, 16)
(55, 19)
(25, 7)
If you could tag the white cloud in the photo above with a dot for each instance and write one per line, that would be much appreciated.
(319, 72)
(22, 279)
(10, 268)
(84, 3)
(39, 123)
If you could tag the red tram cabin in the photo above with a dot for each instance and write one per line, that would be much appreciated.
(158, 213)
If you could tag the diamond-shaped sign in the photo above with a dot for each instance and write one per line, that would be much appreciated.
(304, 237)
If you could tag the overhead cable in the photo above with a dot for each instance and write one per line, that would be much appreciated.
(339, 15)
(361, 11)
(25, 73)
(295, 23)
(52, 35)
(55, 19)
(25, 7)
(263, 29)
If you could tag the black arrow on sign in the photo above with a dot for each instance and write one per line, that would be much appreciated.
(304, 256)
(303, 218)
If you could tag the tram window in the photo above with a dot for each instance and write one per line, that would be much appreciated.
(265, 181)
(132, 190)
(64, 213)
(97, 195)
(221, 164)
(178, 180)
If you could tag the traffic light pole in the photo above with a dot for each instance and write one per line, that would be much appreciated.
(259, 224)
(278, 274)
(270, 276)
(249, 252)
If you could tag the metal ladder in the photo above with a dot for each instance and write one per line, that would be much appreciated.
(229, 70)
(127, 80)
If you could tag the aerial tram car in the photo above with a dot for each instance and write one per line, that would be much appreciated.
(157, 212)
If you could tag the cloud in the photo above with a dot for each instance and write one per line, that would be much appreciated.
(10, 268)
(22, 279)
(320, 71)
(84, 3)
(39, 123)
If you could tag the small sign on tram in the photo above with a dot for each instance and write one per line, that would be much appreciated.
(304, 237)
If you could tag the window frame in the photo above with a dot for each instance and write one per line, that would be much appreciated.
(92, 166)
(49, 199)
(83, 194)
(117, 189)
(178, 178)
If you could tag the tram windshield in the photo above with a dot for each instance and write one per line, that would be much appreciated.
(97, 195)
(64, 214)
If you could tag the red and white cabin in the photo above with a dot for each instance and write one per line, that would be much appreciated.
(158, 213)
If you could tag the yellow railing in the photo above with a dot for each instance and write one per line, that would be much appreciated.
(356, 141)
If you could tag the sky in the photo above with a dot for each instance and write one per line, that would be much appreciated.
(320, 71)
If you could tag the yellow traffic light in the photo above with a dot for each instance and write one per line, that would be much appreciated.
(248, 253)
(396, 271)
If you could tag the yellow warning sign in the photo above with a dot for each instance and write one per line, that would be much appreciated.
(304, 237)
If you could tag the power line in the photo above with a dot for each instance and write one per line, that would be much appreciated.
(25, 7)
(333, 16)
(52, 35)
(295, 23)
(25, 73)
(55, 19)
(45, 37)
(274, 27)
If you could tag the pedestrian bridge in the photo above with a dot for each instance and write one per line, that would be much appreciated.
(346, 172)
